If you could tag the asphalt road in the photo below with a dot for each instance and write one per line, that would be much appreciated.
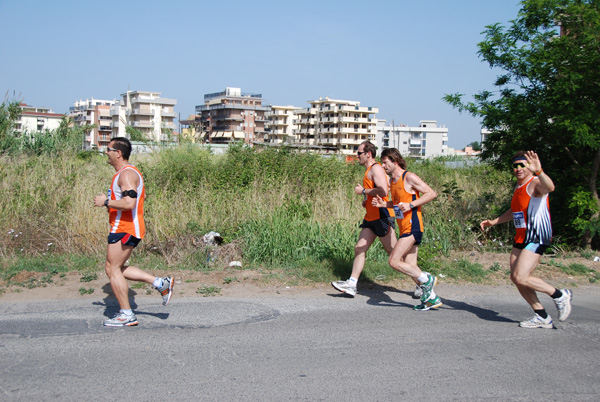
(315, 347)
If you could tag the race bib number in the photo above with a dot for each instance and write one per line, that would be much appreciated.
(519, 220)
(398, 212)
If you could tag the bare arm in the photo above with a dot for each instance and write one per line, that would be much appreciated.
(544, 184)
(415, 184)
(380, 178)
(505, 217)
(128, 180)
(380, 203)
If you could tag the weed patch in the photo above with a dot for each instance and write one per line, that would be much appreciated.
(208, 291)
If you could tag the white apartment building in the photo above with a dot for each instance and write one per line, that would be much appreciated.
(337, 125)
(425, 141)
(484, 133)
(36, 119)
(93, 112)
(147, 112)
(279, 127)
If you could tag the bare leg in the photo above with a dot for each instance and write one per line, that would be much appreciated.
(522, 264)
(365, 239)
(404, 257)
(116, 256)
(118, 272)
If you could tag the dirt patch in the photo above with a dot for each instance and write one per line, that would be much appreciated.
(235, 282)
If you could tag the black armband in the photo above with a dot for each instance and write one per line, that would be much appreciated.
(129, 193)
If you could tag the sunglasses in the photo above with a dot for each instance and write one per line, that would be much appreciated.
(518, 165)
(108, 149)
(359, 153)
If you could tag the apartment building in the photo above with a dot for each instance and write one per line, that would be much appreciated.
(147, 112)
(336, 125)
(232, 115)
(424, 141)
(36, 119)
(93, 112)
(280, 125)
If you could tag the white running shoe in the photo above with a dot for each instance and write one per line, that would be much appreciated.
(563, 304)
(418, 292)
(121, 320)
(166, 291)
(537, 322)
(345, 287)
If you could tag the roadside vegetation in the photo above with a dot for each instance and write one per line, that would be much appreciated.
(291, 216)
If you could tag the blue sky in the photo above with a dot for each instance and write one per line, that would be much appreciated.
(401, 56)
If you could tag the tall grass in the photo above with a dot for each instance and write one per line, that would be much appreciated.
(279, 207)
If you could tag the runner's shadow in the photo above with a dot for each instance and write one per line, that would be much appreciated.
(378, 296)
(111, 306)
(483, 313)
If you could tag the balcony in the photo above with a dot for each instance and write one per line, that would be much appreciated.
(311, 121)
(277, 122)
(228, 118)
(144, 124)
(168, 114)
(363, 109)
(140, 112)
(231, 106)
(153, 101)
(354, 119)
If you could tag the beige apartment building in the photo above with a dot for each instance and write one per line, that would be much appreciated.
(93, 112)
(33, 119)
(280, 125)
(147, 112)
(337, 125)
(232, 115)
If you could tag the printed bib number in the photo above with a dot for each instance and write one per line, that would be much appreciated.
(398, 212)
(519, 220)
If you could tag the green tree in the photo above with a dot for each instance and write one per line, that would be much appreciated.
(135, 134)
(9, 113)
(475, 145)
(546, 98)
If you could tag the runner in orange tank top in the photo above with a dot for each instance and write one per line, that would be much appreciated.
(378, 222)
(125, 206)
(405, 188)
(531, 216)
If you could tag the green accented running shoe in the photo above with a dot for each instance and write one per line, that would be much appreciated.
(428, 287)
(429, 304)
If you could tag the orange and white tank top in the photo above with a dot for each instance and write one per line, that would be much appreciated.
(375, 213)
(412, 221)
(131, 222)
(531, 216)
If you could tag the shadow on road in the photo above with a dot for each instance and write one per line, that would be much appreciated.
(111, 307)
(378, 296)
(483, 313)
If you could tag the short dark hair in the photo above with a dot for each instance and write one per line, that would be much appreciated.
(370, 147)
(518, 155)
(394, 155)
(123, 145)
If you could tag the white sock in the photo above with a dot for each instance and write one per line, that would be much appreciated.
(158, 282)
(127, 312)
(352, 281)
(423, 277)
